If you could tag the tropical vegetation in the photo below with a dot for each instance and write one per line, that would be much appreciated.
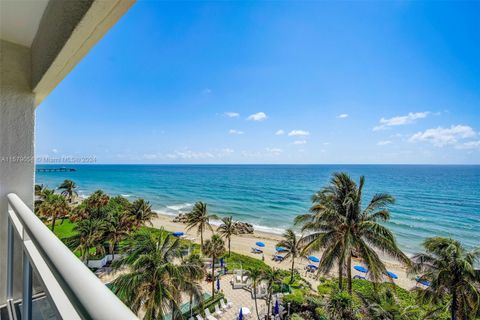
(157, 270)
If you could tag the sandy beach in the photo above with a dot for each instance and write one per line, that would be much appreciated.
(244, 243)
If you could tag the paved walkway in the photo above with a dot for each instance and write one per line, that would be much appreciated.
(240, 298)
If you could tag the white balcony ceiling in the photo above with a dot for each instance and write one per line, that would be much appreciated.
(20, 20)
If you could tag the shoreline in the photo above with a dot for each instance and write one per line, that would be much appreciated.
(243, 243)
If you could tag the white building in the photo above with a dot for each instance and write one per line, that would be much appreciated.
(41, 41)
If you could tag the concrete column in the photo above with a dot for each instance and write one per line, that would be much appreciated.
(17, 118)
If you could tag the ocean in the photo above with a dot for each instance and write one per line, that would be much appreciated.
(431, 200)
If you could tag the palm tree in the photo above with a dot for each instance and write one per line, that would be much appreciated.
(54, 206)
(255, 275)
(142, 212)
(200, 219)
(68, 187)
(90, 233)
(272, 277)
(41, 193)
(340, 226)
(450, 268)
(154, 282)
(214, 248)
(95, 203)
(293, 248)
(193, 288)
(227, 229)
(117, 227)
(384, 305)
(340, 306)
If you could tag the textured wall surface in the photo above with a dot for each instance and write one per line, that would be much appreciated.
(17, 119)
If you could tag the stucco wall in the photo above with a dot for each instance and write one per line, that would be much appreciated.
(57, 24)
(17, 117)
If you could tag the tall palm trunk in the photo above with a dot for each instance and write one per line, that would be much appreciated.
(255, 298)
(213, 277)
(453, 307)
(54, 218)
(349, 273)
(229, 246)
(293, 270)
(201, 237)
(340, 275)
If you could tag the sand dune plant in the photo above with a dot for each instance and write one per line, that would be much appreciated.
(339, 225)
(200, 219)
(155, 280)
(450, 268)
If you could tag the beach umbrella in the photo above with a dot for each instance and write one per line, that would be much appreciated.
(178, 234)
(360, 269)
(240, 314)
(218, 283)
(276, 309)
(260, 244)
(221, 263)
(313, 267)
(391, 275)
(313, 259)
(281, 249)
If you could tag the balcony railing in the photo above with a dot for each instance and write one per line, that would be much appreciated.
(73, 291)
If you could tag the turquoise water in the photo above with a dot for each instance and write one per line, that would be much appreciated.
(431, 200)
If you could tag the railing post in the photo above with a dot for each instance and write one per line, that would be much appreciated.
(27, 289)
(10, 260)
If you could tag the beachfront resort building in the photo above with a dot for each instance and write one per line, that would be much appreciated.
(41, 42)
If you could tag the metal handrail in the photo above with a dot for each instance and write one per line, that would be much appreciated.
(91, 297)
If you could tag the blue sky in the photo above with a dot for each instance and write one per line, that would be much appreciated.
(274, 82)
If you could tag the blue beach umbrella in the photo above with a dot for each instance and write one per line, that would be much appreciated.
(281, 249)
(218, 283)
(221, 263)
(178, 234)
(313, 259)
(240, 314)
(391, 275)
(276, 310)
(360, 269)
(260, 244)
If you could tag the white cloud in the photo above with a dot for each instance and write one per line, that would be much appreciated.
(469, 145)
(300, 142)
(441, 137)
(234, 131)
(298, 133)
(280, 132)
(259, 116)
(384, 142)
(326, 143)
(206, 91)
(400, 120)
(274, 151)
(232, 114)
(55, 151)
(342, 116)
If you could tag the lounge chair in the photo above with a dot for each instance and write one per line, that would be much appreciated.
(199, 317)
(256, 250)
(225, 305)
(209, 315)
(359, 277)
(218, 312)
